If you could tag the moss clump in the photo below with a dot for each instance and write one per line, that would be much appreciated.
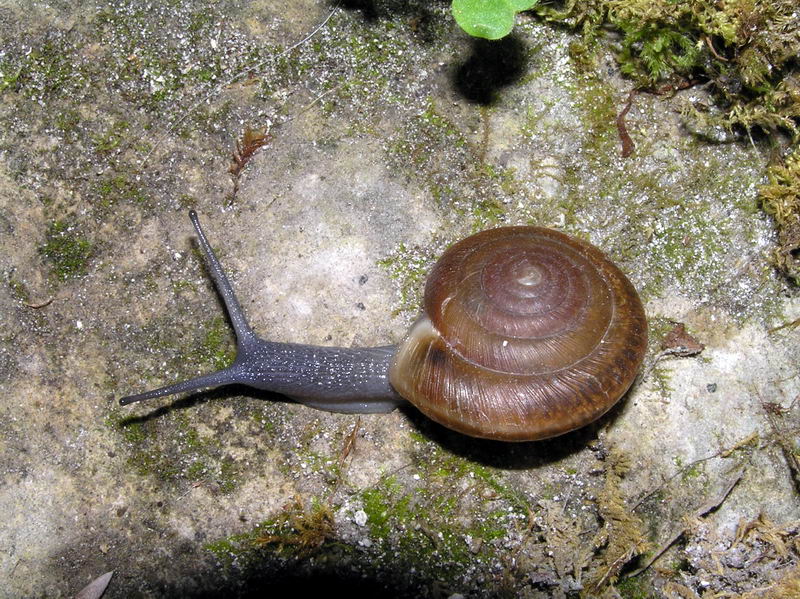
(67, 251)
(655, 52)
(781, 198)
(296, 531)
(746, 50)
(622, 536)
(299, 530)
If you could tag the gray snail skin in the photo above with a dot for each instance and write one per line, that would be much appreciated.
(526, 333)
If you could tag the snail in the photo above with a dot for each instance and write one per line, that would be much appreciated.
(526, 333)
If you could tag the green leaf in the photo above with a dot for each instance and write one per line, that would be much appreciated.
(489, 19)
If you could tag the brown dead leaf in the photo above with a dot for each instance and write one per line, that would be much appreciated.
(96, 588)
(679, 342)
(251, 141)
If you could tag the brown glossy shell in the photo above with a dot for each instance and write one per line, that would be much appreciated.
(527, 333)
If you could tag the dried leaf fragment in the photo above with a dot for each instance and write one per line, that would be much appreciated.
(251, 141)
(678, 342)
(96, 588)
(622, 129)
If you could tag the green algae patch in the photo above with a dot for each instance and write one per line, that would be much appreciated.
(67, 250)
(409, 267)
(217, 348)
(118, 187)
(111, 139)
(174, 452)
(412, 524)
(383, 505)
(19, 290)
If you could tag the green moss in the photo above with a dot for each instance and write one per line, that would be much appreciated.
(658, 327)
(111, 139)
(172, 451)
(489, 527)
(599, 110)
(780, 198)
(409, 267)
(197, 470)
(637, 587)
(662, 377)
(504, 177)
(9, 75)
(67, 251)
(434, 119)
(19, 290)
(517, 500)
(296, 531)
(688, 473)
(133, 432)
(118, 187)
(419, 437)
(378, 508)
(181, 286)
(206, 119)
(264, 419)
(192, 438)
(486, 213)
(421, 526)
(217, 348)
(226, 550)
(200, 21)
(47, 69)
(228, 476)
(67, 122)
(691, 472)
(746, 49)
(653, 51)
(694, 472)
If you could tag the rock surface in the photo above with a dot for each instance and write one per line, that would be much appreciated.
(391, 136)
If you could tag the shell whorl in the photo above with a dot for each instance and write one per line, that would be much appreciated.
(527, 333)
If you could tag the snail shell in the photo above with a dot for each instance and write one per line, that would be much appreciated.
(527, 333)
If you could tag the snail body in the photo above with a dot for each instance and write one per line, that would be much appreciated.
(526, 333)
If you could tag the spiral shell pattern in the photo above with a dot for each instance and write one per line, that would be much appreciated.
(527, 333)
